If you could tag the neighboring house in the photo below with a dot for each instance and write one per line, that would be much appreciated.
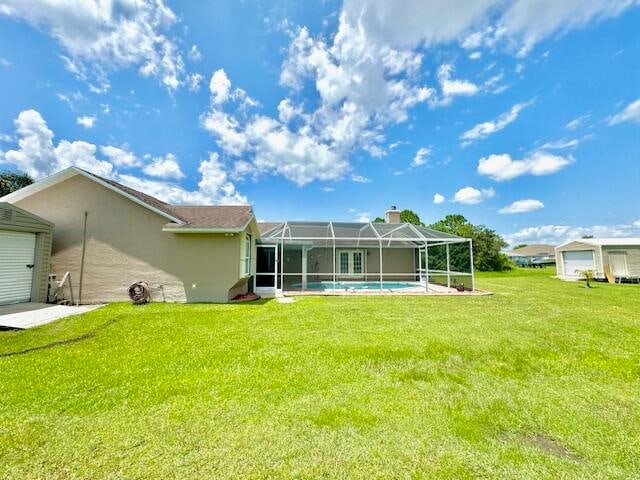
(621, 256)
(192, 254)
(538, 255)
(108, 236)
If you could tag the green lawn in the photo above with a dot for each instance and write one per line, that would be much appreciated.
(540, 380)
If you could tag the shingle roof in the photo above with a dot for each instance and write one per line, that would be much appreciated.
(535, 250)
(210, 216)
(264, 227)
(193, 216)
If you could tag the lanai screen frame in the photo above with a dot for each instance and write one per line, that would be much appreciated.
(389, 233)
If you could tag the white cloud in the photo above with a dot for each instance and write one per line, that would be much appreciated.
(421, 157)
(522, 206)
(438, 199)
(220, 86)
(475, 55)
(517, 25)
(328, 189)
(193, 81)
(363, 217)
(577, 122)
(4, 62)
(557, 234)
(484, 129)
(564, 143)
(503, 167)
(194, 54)
(87, 121)
(166, 167)
(37, 156)
(453, 87)
(631, 113)
(360, 179)
(107, 35)
(473, 196)
(5, 138)
(119, 156)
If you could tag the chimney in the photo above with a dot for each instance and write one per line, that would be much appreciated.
(392, 215)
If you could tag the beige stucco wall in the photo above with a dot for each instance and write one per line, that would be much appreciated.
(125, 244)
(14, 219)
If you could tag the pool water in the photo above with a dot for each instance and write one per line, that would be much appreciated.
(328, 285)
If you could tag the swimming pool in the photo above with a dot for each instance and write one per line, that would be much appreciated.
(329, 285)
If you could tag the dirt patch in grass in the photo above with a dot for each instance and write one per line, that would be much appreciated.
(551, 446)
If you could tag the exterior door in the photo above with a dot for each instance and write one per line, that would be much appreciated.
(577, 261)
(265, 280)
(17, 256)
(618, 263)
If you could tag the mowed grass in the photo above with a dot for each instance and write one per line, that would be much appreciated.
(540, 380)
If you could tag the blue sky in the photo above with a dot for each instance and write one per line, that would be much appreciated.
(521, 115)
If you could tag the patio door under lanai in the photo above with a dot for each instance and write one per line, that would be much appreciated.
(350, 264)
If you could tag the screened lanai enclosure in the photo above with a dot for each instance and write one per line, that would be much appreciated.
(339, 257)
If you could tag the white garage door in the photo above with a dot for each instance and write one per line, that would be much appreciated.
(577, 261)
(17, 254)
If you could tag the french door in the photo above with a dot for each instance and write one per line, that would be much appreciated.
(350, 263)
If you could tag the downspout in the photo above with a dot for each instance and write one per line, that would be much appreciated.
(84, 248)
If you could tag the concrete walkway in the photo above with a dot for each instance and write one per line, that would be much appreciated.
(28, 315)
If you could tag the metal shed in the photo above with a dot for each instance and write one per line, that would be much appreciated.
(25, 252)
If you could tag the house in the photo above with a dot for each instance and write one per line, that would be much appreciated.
(538, 255)
(185, 253)
(619, 256)
(108, 236)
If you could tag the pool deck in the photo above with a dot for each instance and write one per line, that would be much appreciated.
(434, 290)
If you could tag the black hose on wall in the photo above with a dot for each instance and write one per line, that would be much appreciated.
(139, 293)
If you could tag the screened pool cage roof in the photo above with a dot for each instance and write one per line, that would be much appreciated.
(352, 232)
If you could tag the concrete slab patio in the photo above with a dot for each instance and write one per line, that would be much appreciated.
(28, 315)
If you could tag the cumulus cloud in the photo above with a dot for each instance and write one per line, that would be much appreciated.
(120, 157)
(516, 25)
(87, 121)
(438, 199)
(484, 129)
(421, 157)
(522, 206)
(503, 167)
(473, 196)
(107, 36)
(453, 87)
(164, 167)
(220, 86)
(37, 155)
(557, 234)
(631, 113)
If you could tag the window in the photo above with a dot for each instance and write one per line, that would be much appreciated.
(247, 255)
(357, 262)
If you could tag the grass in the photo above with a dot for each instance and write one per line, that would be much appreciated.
(540, 380)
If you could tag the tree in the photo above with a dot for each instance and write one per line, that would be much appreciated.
(12, 181)
(487, 244)
(378, 220)
(520, 245)
(409, 216)
(587, 275)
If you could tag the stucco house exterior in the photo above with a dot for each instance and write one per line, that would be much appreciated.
(108, 236)
(186, 254)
